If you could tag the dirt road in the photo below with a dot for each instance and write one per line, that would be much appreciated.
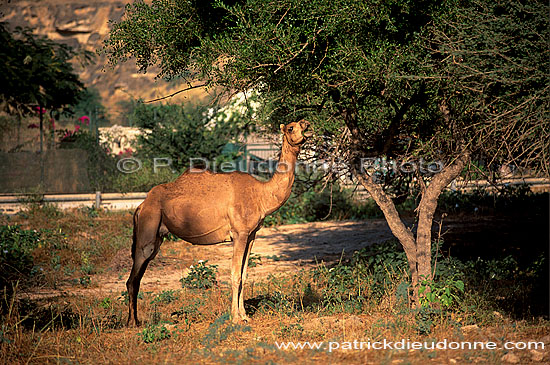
(280, 249)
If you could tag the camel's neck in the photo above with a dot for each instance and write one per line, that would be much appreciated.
(277, 190)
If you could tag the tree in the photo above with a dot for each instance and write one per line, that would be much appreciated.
(183, 132)
(388, 84)
(36, 71)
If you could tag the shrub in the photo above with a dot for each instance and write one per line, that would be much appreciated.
(165, 297)
(385, 263)
(343, 288)
(16, 247)
(201, 276)
(154, 333)
(182, 133)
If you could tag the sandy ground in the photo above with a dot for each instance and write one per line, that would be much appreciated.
(276, 250)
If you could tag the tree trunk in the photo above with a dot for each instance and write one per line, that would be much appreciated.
(398, 228)
(426, 210)
(418, 250)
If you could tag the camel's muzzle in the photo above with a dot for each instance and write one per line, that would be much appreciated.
(306, 132)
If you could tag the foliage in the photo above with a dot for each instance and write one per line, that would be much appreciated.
(506, 200)
(182, 133)
(311, 199)
(493, 56)
(442, 294)
(201, 276)
(385, 262)
(16, 253)
(101, 165)
(191, 311)
(406, 77)
(344, 288)
(307, 57)
(219, 331)
(254, 260)
(165, 297)
(89, 103)
(36, 70)
(154, 333)
(402, 80)
(143, 180)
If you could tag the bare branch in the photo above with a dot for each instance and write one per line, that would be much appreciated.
(176, 93)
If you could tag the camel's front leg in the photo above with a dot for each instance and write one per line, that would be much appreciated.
(249, 245)
(239, 255)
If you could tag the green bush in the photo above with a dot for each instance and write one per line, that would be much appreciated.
(16, 248)
(385, 264)
(182, 133)
(309, 202)
(442, 294)
(343, 288)
(165, 297)
(89, 104)
(201, 276)
(154, 333)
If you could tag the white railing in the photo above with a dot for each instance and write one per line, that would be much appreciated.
(11, 204)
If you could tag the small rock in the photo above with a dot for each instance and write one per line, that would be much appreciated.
(537, 355)
(497, 314)
(470, 328)
(510, 358)
(546, 339)
(452, 361)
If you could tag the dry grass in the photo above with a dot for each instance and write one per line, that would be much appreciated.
(192, 326)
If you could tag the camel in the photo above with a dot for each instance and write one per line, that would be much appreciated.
(205, 208)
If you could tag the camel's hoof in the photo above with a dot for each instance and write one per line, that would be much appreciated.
(246, 319)
(132, 323)
(241, 319)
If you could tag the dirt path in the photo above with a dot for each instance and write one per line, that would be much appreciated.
(280, 249)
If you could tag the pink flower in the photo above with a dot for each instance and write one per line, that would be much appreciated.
(39, 109)
(76, 128)
(84, 119)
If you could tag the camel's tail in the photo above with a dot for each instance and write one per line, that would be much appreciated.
(134, 234)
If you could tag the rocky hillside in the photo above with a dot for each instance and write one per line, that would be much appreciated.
(84, 24)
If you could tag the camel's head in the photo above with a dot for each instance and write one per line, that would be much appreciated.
(296, 133)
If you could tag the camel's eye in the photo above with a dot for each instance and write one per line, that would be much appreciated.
(290, 129)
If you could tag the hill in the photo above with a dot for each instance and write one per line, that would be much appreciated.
(84, 24)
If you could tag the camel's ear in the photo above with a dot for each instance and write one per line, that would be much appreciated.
(282, 126)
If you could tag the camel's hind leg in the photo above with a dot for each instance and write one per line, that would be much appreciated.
(147, 241)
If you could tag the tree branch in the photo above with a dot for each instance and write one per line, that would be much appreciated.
(176, 93)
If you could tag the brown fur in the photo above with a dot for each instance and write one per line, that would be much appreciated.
(209, 208)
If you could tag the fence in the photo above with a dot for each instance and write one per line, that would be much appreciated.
(11, 204)
(53, 171)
